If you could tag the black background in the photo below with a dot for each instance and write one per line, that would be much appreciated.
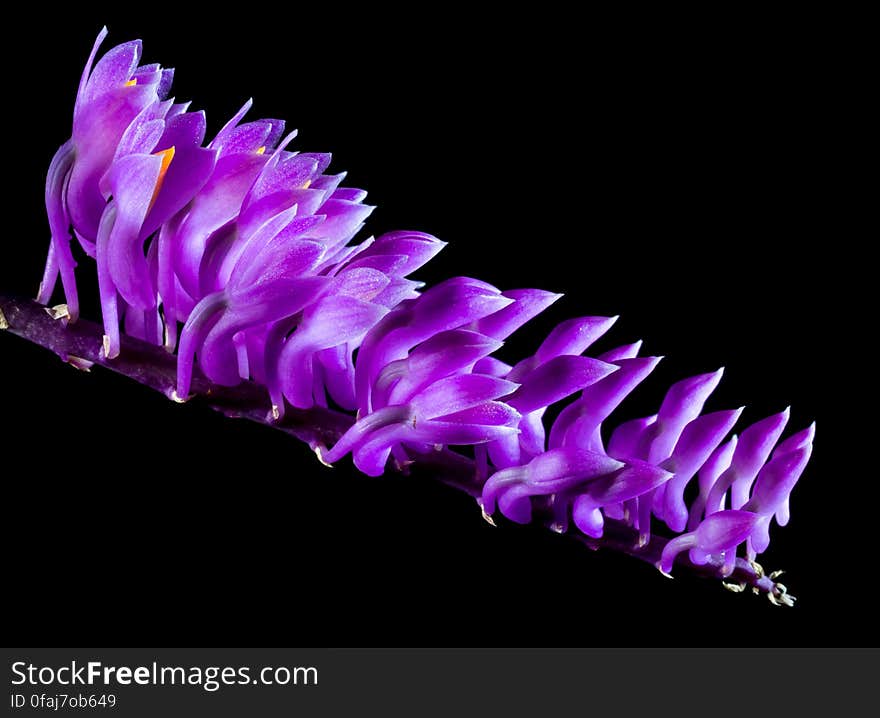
(672, 172)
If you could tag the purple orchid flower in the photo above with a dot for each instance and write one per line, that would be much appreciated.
(251, 247)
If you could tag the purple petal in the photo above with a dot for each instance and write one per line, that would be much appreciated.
(776, 480)
(57, 182)
(97, 131)
(570, 463)
(753, 449)
(133, 180)
(553, 471)
(417, 247)
(493, 366)
(635, 479)
(87, 70)
(715, 465)
(627, 351)
(397, 291)
(200, 322)
(443, 354)
(628, 438)
(533, 437)
(454, 433)
(282, 175)
(681, 405)
(516, 504)
(573, 336)
(329, 322)
(698, 441)
(755, 445)
(278, 259)
(448, 305)
(557, 379)
(216, 204)
(342, 221)
(456, 393)
(488, 413)
(271, 301)
(186, 175)
(799, 440)
(724, 530)
(362, 283)
(339, 376)
(719, 532)
(579, 422)
(527, 304)
(113, 70)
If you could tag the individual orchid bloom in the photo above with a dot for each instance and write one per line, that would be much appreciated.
(580, 422)
(335, 320)
(159, 167)
(639, 479)
(624, 351)
(652, 439)
(708, 474)
(752, 451)
(397, 255)
(569, 338)
(442, 356)
(446, 353)
(554, 372)
(799, 440)
(773, 487)
(449, 305)
(553, 472)
(112, 92)
(719, 533)
(526, 304)
(456, 410)
(242, 152)
(267, 285)
(589, 478)
(270, 208)
(299, 353)
(548, 383)
(698, 441)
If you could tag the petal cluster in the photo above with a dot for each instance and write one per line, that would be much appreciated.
(240, 254)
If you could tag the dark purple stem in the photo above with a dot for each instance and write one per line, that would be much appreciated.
(80, 344)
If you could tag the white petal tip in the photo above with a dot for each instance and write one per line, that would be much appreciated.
(79, 363)
(319, 452)
(175, 397)
(487, 518)
(660, 569)
(3, 323)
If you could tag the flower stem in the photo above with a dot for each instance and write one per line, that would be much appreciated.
(80, 344)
